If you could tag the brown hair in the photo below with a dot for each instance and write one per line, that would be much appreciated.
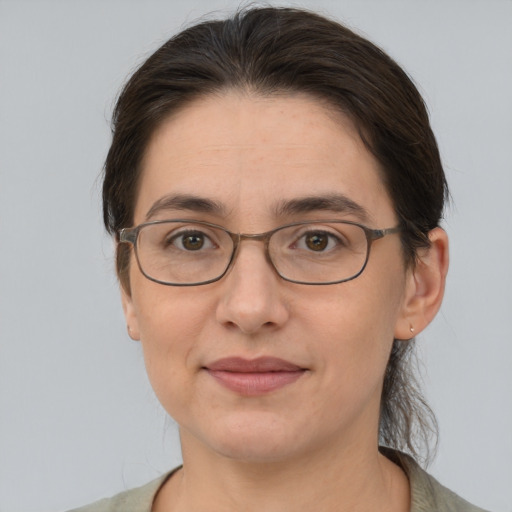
(282, 50)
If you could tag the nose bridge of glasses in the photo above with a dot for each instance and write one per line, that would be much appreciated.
(252, 237)
(255, 236)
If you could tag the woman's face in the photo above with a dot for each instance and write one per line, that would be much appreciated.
(326, 347)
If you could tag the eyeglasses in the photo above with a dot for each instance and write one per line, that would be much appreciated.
(191, 253)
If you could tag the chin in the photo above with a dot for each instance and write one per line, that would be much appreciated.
(257, 451)
(253, 439)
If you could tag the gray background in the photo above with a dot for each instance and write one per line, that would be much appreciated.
(78, 419)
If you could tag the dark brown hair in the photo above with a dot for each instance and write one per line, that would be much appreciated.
(278, 51)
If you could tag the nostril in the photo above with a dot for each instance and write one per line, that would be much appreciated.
(251, 313)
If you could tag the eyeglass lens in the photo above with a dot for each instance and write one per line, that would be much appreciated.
(176, 252)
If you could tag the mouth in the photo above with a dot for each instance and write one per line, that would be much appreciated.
(253, 377)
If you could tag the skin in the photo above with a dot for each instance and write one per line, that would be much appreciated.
(312, 444)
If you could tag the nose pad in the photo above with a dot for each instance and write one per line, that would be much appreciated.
(252, 292)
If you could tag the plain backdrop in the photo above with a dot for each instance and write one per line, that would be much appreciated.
(78, 419)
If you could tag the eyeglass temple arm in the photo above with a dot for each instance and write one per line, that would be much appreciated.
(128, 235)
(380, 233)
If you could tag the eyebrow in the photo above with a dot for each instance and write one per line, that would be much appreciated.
(185, 202)
(337, 203)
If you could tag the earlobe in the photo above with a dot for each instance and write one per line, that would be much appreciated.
(132, 325)
(424, 289)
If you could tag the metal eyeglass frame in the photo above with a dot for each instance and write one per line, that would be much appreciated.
(130, 235)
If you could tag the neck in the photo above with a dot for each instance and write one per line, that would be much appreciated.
(354, 479)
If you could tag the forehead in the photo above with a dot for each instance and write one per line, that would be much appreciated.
(249, 153)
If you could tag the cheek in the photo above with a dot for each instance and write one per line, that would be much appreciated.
(170, 321)
(355, 323)
(360, 333)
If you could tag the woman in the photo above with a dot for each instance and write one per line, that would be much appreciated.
(276, 191)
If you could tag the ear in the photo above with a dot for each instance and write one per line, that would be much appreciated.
(424, 289)
(132, 324)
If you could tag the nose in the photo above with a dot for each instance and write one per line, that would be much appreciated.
(252, 298)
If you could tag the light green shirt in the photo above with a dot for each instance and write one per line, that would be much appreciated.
(427, 494)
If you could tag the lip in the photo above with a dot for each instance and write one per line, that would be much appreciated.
(253, 377)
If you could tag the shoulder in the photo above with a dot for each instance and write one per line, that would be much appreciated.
(139, 499)
(427, 494)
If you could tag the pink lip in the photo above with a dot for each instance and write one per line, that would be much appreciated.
(252, 377)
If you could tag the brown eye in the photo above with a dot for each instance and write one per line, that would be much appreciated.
(188, 241)
(317, 241)
(193, 242)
